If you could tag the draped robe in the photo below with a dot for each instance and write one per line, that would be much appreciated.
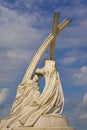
(30, 104)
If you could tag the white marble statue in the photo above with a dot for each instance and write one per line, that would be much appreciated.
(29, 103)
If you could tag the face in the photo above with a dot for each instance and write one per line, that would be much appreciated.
(35, 78)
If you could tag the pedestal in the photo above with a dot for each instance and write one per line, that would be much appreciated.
(49, 122)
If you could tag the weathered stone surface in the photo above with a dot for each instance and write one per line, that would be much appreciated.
(30, 104)
(50, 122)
(45, 128)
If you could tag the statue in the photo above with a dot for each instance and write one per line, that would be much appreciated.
(29, 103)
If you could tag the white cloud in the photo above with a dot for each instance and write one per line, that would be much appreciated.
(84, 116)
(19, 40)
(74, 110)
(5, 111)
(74, 77)
(16, 30)
(68, 60)
(20, 37)
(81, 76)
(73, 56)
(3, 95)
(82, 73)
(85, 99)
(76, 30)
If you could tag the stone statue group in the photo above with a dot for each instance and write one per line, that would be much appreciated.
(29, 103)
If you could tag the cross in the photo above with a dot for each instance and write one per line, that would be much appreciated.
(50, 40)
(55, 30)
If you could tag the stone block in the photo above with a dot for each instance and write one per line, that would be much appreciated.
(49, 122)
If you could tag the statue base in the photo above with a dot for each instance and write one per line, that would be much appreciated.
(49, 122)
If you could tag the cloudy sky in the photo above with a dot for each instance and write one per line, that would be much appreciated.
(24, 25)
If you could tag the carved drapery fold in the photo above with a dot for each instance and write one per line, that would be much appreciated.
(29, 103)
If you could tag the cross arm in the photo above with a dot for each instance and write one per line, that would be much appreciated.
(62, 25)
(55, 31)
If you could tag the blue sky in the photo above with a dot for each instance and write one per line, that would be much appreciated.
(24, 25)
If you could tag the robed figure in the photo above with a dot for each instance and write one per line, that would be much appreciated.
(29, 103)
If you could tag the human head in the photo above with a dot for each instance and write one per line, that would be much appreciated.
(35, 77)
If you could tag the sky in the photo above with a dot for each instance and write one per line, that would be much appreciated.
(24, 25)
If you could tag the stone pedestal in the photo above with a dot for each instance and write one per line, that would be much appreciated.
(49, 122)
